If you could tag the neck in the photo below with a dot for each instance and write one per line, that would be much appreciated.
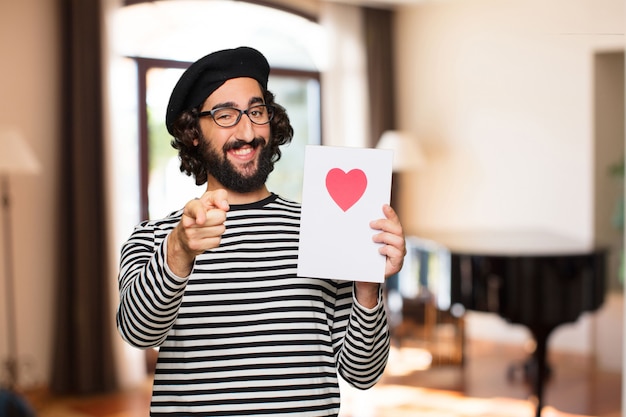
(240, 198)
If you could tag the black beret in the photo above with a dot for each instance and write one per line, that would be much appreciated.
(208, 73)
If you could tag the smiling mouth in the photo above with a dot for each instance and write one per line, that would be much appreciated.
(241, 147)
(242, 151)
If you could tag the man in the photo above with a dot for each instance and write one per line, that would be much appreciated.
(214, 285)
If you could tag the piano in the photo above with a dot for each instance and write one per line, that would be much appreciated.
(536, 279)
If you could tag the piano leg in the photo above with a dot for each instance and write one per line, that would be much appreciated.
(540, 372)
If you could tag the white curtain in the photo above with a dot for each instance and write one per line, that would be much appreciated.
(345, 100)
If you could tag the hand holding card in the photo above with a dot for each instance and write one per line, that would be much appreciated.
(343, 190)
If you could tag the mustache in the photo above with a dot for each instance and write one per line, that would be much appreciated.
(237, 144)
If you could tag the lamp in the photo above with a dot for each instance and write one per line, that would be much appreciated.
(407, 153)
(407, 156)
(15, 158)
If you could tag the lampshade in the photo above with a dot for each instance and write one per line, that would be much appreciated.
(15, 154)
(407, 154)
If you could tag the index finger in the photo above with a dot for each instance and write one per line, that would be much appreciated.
(215, 199)
(194, 211)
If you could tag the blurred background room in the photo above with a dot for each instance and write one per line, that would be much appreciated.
(507, 119)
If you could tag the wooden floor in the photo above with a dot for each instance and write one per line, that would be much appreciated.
(575, 387)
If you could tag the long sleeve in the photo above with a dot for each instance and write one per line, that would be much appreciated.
(150, 294)
(362, 340)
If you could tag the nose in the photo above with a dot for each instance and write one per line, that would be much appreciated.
(245, 129)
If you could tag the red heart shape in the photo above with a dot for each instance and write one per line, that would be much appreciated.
(346, 189)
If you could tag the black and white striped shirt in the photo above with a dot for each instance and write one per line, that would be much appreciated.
(243, 335)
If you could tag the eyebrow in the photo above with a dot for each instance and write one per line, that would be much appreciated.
(252, 101)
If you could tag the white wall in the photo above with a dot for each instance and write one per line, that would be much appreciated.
(29, 101)
(500, 95)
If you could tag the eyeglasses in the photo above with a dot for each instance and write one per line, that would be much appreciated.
(229, 116)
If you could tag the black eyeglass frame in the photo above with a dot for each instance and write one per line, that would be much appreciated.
(269, 108)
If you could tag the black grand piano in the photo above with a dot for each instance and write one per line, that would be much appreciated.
(536, 279)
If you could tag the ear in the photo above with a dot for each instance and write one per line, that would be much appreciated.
(195, 142)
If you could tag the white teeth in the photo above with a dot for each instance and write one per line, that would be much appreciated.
(242, 151)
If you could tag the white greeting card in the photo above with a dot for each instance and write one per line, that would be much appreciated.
(343, 190)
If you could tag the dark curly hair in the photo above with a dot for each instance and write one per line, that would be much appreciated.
(186, 129)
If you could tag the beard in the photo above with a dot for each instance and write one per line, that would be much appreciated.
(250, 178)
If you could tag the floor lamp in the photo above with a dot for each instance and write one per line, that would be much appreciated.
(407, 156)
(15, 158)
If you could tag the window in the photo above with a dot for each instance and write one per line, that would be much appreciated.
(166, 188)
(162, 38)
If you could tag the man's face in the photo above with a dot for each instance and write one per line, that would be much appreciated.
(236, 157)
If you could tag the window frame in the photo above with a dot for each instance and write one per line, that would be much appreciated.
(144, 65)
